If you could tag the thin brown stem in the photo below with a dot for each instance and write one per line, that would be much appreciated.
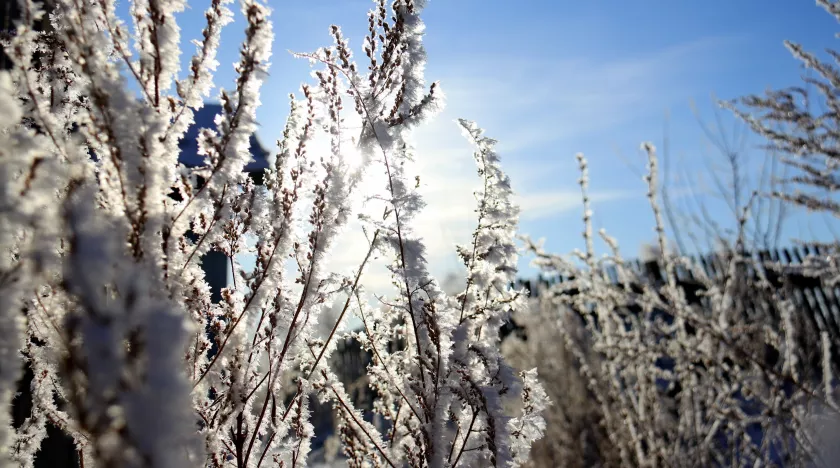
(466, 438)
(346, 303)
(352, 416)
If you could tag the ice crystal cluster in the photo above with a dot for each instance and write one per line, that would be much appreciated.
(102, 232)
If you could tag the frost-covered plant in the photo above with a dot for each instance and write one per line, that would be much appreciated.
(720, 370)
(802, 124)
(102, 232)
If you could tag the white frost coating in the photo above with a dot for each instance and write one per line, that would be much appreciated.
(530, 426)
(104, 231)
(488, 299)
(13, 160)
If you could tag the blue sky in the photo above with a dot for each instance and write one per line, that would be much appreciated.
(549, 79)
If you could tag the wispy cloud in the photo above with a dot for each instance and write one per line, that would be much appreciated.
(537, 100)
(542, 205)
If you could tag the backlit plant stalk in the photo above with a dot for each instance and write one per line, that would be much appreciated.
(103, 231)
